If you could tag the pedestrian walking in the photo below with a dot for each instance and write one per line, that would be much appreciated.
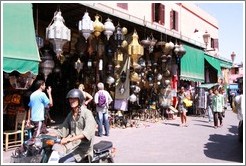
(87, 97)
(102, 100)
(37, 104)
(209, 105)
(181, 107)
(238, 109)
(217, 107)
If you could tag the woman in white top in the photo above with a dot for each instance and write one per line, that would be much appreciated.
(87, 97)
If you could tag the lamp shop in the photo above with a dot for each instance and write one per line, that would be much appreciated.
(77, 44)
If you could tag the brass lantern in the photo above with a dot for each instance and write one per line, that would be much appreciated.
(135, 50)
(98, 26)
(58, 34)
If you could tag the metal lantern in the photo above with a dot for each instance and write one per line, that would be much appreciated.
(135, 49)
(182, 50)
(118, 35)
(109, 28)
(233, 56)
(21, 81)
(86, 26)
(98, 26)
(206, 37)
(78, 65)
(47, 64)
(58, 34)
(176, 49)
(40, 41)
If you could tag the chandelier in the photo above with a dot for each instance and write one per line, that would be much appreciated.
(58, 34)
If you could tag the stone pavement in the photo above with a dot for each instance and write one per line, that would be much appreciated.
(165, 142)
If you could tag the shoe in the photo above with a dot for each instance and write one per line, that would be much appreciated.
(106, 135)
(52, 121)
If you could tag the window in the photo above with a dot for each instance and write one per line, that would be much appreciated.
(214, 43)
(123, 5)
(158, 13)
(174, 20)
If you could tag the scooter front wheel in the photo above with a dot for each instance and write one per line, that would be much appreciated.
(107, 160)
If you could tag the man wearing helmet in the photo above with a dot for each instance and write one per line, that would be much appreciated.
(77, 130)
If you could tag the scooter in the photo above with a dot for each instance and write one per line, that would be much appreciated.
(39, 150)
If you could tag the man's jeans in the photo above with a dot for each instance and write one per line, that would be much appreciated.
(103, 120)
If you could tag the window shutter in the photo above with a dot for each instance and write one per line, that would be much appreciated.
(171, 20)
(153, 12)
(161, 14)
(176, 21)
(123, 5)
(216, 43)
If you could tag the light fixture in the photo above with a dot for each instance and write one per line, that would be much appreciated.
(118, 56)
(86, 26)
(135, 50)
(21, 81)
(47, 64)
(182, 50)
(78, 65)
(98, 26)
(109, 28)
(233, 56)
(206, 37)
(118, 35)
(58, 34)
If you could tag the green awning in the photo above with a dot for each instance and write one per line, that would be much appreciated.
(225, 64)
(213, 61)
(192, 65)
(20, 50)
(208, 86)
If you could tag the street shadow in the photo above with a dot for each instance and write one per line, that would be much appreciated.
(204, 125)
(225, 147)
(170, 123)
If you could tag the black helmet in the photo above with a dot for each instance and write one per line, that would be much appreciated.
(76, 93)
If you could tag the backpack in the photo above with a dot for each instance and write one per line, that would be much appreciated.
(101, 100)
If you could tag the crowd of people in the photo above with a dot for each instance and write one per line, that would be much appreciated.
(81, 126)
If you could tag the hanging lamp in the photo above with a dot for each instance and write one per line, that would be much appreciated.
(109, 28)
(135, 49)
(58, 34)
(86, 26)
(98, 26)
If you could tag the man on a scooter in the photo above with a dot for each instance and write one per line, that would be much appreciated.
(77, 132)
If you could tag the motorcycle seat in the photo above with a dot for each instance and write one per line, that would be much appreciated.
(102, 146)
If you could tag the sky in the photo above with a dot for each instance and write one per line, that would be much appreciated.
(230, 16)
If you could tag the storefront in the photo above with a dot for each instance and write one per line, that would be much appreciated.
(99, 58)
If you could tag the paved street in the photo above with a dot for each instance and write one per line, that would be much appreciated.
(166, 142)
